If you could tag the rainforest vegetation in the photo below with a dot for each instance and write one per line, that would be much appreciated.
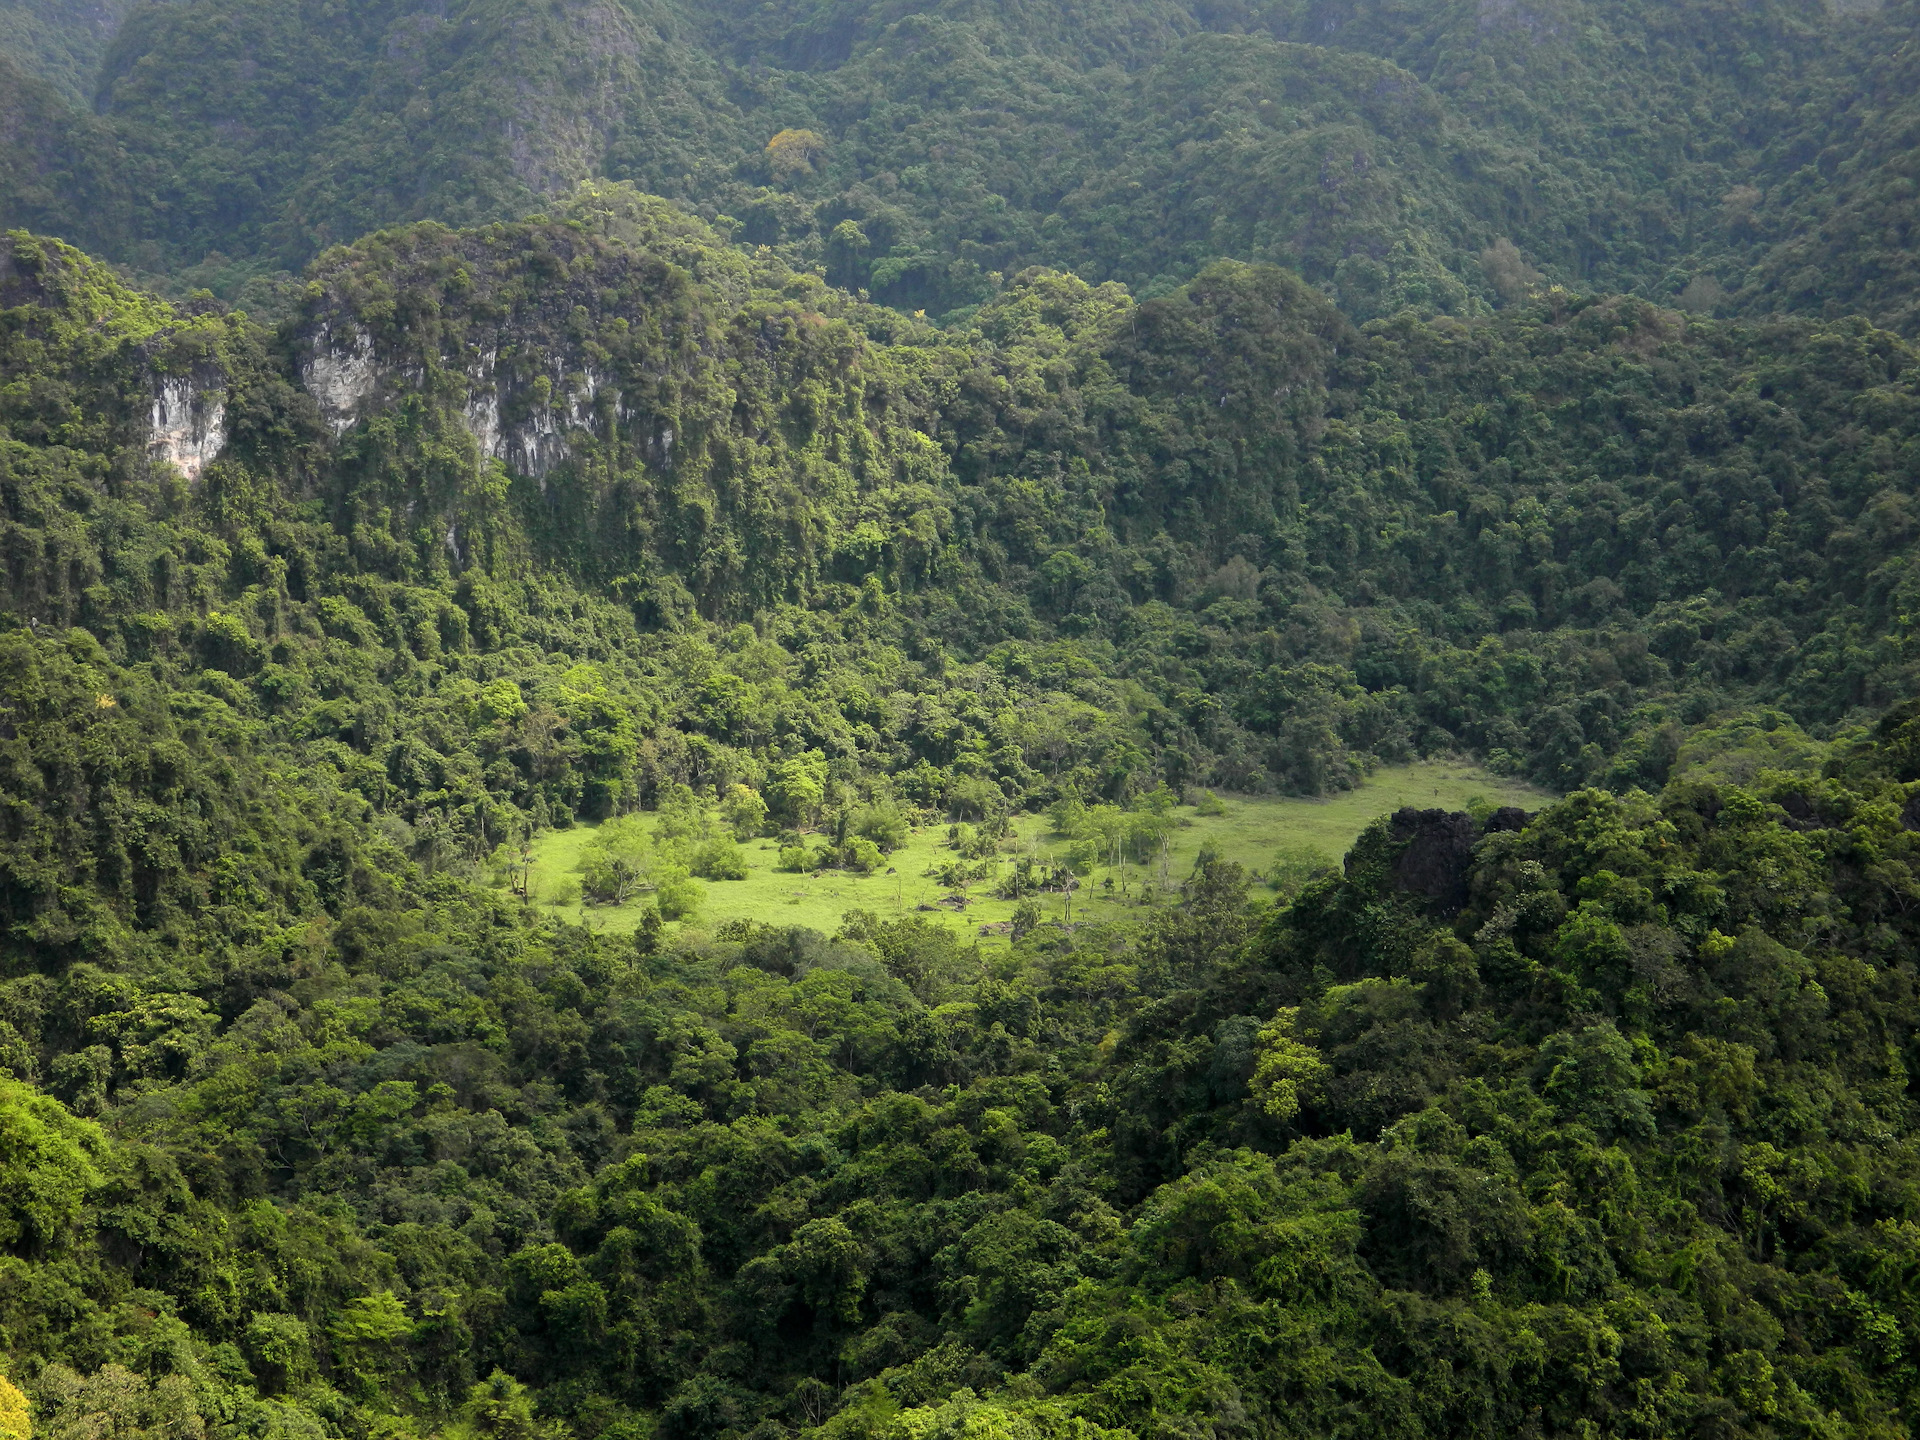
(1740, 156)
(428, 428)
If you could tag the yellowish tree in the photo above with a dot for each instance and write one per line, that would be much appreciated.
(793, 153)
(1285, 1069)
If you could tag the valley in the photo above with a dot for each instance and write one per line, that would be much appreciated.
(959, 720)
(1251, 831)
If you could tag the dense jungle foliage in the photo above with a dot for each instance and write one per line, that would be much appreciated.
(1743, 158)
(1310, 388)
(1220, 538)
(1598, 1118)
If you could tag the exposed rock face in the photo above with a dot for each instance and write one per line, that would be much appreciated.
(557, 136)
(188, 426)
(1438, 856)
(483, 423)
(344, 374)
(340, 375)
(535, 447)
(537, 444)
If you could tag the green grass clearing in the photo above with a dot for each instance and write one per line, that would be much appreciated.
(1252, 831)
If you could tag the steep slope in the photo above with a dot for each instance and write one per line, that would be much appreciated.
(1384, 153)
(61, 41)
(1600, 139)
(651, 408)
(479, 112)
(62, 171)
(1831, 228)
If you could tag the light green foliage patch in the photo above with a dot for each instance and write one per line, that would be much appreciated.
(49, 1166)
(1249, 831)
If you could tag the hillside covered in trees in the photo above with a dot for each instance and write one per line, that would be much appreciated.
(1749, 158)
(791, 424)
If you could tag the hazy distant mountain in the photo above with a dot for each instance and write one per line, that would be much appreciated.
(1694, 151)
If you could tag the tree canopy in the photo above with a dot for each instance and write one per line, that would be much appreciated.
(792, 428)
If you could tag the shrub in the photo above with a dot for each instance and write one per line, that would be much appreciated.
(798, 786)
(1026, 919)
(744, 811)
(1295, 865)
(677, 896)
(883, 824)
(615, 860)
(719, 860)
(861, 854)
(974, 798)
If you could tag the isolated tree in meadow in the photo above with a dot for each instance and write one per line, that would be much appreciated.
(615, 861)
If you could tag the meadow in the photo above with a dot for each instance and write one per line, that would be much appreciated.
(1250, 830)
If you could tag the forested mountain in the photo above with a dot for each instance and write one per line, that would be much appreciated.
(1279, 548)
(781, 424)
(1602, 1119)
(1749, 158)
(60, 40)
